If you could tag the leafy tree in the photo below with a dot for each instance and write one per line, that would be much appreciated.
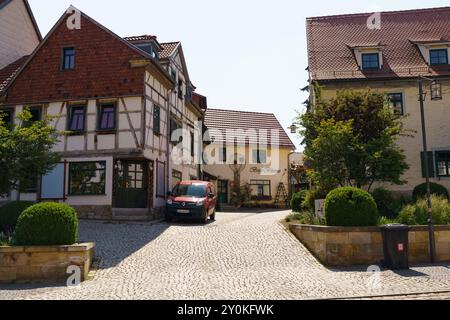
(350, 140)
(25, 151)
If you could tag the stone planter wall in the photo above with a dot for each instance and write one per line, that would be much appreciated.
(44, 264)
(337, 246)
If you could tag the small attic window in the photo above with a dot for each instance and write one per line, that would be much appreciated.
(370, 61)
(148, 48)
(438, 57)
(68, 62)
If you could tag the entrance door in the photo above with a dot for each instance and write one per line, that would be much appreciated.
(131, 188)
(222, 191)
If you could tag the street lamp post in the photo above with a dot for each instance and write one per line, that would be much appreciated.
(435, 95)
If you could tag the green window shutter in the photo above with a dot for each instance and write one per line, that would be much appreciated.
(430, 164)
(157, 120)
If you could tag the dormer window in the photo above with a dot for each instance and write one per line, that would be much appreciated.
(368, 56)
(149, 49)
(370, 61)
(438, 57)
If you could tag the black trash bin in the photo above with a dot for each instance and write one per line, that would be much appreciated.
(395, 246)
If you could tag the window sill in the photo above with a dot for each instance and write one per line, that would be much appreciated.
(105, 132)
(76, 133)
(87, 195)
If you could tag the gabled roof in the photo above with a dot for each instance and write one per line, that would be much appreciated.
(134, 49)
(8, 72)
(168, 49)
(331, 38)
(220, 119)
(4, 3)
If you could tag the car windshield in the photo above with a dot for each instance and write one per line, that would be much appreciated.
(189, 190)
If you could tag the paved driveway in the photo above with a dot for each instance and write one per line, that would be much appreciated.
(240, 256)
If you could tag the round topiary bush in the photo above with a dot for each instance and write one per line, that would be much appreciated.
(297, 201)
(9, 214)
(421, 191)
(351, 207)
(47, 224)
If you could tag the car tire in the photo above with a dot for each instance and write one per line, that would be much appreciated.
(169, 219)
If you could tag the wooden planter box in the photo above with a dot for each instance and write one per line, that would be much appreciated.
(339, 246)
(44, 263)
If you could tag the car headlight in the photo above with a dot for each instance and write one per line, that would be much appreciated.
(169, 201)
(200, 203)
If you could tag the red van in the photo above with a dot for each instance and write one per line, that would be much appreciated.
(192, 200)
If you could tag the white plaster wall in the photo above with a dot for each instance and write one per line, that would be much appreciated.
(156, 145)
(86, 142)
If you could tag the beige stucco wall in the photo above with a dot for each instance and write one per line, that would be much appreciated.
(277, 161)
(17, 34)
(437, 115)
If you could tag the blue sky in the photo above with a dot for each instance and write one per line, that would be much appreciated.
(245, 55)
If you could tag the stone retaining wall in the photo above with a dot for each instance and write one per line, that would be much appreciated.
(337, 246)
(44, 264)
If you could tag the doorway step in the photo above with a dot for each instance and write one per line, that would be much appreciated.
(132, 215)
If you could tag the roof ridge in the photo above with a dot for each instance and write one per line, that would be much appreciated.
(228, 110)
(140, 36)
(363, 14)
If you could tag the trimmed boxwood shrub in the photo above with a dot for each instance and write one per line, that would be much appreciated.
(9, 214)
(351, 207)
(47, 224)
(421, 191)
(297, 200)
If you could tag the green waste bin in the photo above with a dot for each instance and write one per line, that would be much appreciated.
(395, 246)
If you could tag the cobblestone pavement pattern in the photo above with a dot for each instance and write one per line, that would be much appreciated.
(240, 256)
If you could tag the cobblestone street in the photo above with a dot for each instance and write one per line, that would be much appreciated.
(240, 256)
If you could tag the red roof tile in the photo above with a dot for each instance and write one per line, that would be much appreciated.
(330, 40)
(8, 72)
(219, 119)
(167, 49)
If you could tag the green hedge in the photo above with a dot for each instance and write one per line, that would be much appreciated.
(311, 197)
(9, 214)
(351, 207)
(421, 191)
(388, 204)
(47, 224)
(417, 214)
(297, 201)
